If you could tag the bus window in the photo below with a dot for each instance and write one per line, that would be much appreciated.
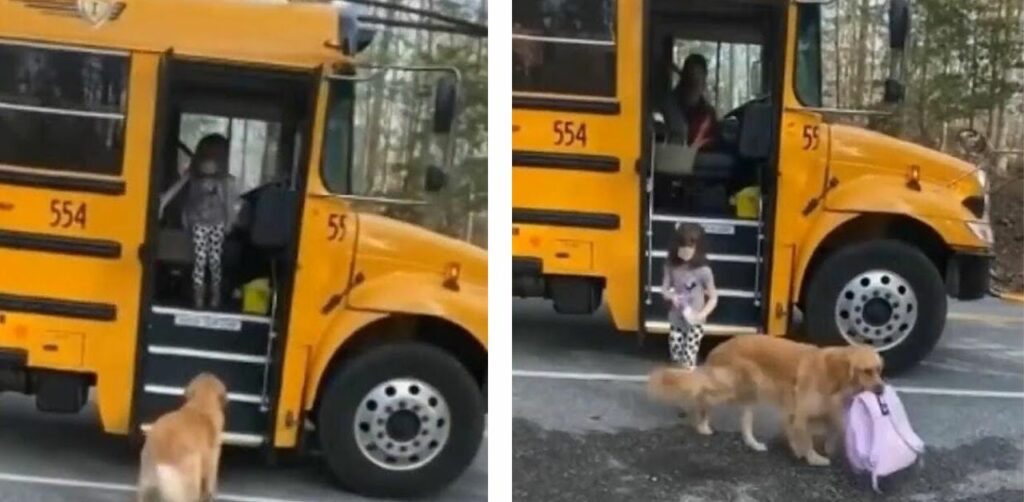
(808, 55)
(564, 47)
(734, 70)
(62, 97)
(255, 146)
(378, 142)
(336, 158)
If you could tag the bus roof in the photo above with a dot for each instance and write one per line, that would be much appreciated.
(252, 31)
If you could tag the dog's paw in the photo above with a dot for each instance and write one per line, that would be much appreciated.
(813, 458)
(756, 445)
(704, 430)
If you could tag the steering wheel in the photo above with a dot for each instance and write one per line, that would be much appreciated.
(738, 111)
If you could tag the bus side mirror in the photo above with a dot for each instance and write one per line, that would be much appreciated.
(894, 91)
(446, 98)
(899, 24)
(899, 32)
(435, 180)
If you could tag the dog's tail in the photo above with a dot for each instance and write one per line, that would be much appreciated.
(172, 485)
(672, 385)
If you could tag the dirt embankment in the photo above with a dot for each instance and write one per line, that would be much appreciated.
(1007, 199)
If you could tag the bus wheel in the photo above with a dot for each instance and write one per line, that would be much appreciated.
(886, 294)
(400, 420)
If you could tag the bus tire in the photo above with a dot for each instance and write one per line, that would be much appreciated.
(400, 420)
(883, 293)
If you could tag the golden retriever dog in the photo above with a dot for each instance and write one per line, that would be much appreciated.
(808, 384)
(181, 455)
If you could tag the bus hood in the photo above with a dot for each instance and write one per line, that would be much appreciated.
(388, 244)
(870, 151)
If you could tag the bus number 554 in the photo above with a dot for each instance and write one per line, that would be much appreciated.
(569, 133)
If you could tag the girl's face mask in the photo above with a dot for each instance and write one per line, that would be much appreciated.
(686, 252)
(208, 167)
(693, 88)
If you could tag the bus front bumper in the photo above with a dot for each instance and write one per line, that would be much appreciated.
(968, 274)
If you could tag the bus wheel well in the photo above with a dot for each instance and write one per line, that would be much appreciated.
(435, 331)
(879, 226)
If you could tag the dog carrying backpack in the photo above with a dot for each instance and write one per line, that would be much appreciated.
(879, 439)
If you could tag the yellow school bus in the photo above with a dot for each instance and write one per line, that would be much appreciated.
(342, 327)
(862, 233)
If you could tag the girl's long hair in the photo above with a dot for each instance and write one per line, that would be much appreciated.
(688, 234)
(213, 146)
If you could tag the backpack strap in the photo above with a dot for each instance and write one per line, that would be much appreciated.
(897, 415)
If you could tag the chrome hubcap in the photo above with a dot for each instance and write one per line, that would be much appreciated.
(877, 308)
(402, 424)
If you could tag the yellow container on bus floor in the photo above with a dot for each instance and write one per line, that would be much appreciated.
(256, 297)
(747, 202)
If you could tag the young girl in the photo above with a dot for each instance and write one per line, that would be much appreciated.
(208, 213)
(689, 287)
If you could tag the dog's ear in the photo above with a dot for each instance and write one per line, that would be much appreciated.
(838, 368)
(223, 400)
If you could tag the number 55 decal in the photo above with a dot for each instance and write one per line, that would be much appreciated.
(811, 137)
(336, 227)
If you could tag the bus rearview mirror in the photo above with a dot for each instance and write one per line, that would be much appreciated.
(899, 23)
(894, 91)
(446, 98)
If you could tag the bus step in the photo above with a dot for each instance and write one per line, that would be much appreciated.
(733, 274)
(721, 236)
(739, 309)
(722, 292)
(233, 397)
(209, 331)
(661, 327)
(228, 438)
(243, 413)
(177, 366)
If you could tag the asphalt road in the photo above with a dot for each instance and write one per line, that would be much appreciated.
(584, 430)
(58, 458)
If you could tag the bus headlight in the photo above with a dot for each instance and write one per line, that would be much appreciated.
(983, 182)
(982, 230)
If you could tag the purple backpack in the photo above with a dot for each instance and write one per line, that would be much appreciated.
(879, 439)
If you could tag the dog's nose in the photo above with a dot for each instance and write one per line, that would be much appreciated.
(878, 388)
